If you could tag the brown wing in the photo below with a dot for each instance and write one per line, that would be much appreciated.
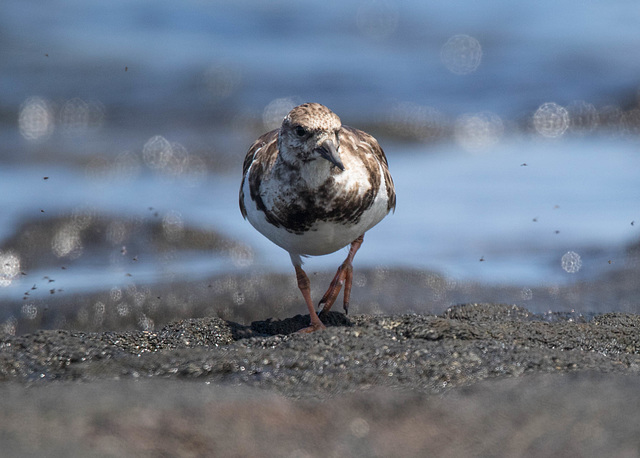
(362, 139)
(266, 144)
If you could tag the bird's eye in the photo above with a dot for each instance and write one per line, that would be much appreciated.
(300, 131)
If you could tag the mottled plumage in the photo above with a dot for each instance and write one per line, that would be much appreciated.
(314, 186)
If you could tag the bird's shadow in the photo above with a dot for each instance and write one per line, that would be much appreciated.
(270, 327)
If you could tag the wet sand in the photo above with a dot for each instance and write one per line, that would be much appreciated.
(478, 379)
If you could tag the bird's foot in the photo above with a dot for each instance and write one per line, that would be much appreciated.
(312, 328)
(316, 325)
(344, 276)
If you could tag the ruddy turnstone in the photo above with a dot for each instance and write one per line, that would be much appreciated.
(314, 186)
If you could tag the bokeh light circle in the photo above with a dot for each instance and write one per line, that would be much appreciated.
(477, 132)
(551, 120)
(36, 119)
(9, 268)
(461, 54)
(276, 110)
(571, 262)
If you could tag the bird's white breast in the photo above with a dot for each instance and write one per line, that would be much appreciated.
(323, 237)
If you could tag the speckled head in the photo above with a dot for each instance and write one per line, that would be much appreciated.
(312, 116)
(309, 132)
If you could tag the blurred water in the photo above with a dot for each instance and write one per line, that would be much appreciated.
(130, 106)
(192, 59)
(475, 217)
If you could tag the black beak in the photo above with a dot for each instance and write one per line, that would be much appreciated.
(329, 151)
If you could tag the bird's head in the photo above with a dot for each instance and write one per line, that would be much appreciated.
(310, 132)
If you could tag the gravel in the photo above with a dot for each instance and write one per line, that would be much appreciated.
(481, 379)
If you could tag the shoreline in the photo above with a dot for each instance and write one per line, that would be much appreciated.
(247, 297)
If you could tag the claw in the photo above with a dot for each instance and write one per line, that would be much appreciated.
(313, 328)
(344, 276)
(332, 293)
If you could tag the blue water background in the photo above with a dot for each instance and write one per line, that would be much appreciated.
(204, 74)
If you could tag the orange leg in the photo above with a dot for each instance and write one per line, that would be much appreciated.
(305, 288)
(344, 276)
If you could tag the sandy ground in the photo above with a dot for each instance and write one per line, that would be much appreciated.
(478, 379)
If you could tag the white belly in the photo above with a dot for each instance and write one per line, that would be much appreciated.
(323, 237)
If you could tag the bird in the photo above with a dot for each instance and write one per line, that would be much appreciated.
(313, 187)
